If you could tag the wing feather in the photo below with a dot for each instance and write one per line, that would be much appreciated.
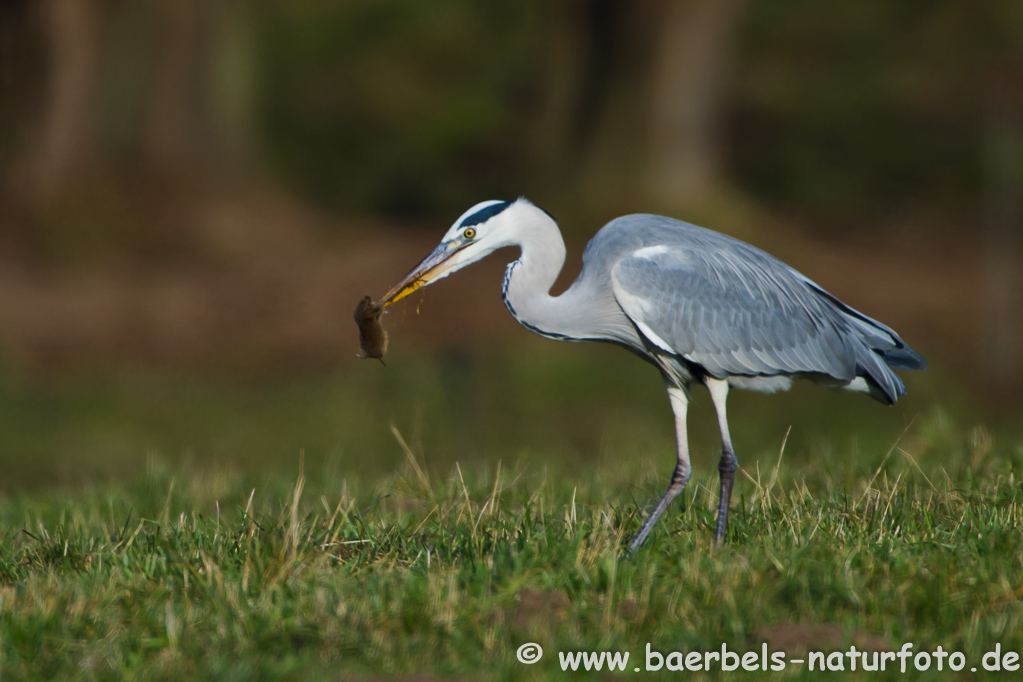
(733, 314)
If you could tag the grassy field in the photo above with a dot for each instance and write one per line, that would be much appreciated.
(184, 528)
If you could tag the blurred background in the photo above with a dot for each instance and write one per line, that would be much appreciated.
(196, 193)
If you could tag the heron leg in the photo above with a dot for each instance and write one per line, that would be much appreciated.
(683, 469)
(726, 467)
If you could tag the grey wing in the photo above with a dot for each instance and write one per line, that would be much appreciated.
(733, 312)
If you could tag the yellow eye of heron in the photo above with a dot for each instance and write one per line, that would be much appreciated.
(469, 233)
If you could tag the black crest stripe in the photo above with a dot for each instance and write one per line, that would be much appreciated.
(485, 214)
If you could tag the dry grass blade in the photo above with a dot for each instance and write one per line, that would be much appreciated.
(884, 461)
(424, 480)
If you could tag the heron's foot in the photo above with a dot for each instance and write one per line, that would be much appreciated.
(722, 526)
(719, 536)
(639, 538)
(678, 482)
(727, 469)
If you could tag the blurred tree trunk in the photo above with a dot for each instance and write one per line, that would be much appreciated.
(200, 104)
(169, 135)
(1000, 96)
(634, 95)
(693, 53)
(582, 81)
(232, 83)
(67, 136)
(1002, 284)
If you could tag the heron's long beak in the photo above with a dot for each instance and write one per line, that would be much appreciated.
(432, 268)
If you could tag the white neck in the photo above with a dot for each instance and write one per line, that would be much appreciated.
(528, 280)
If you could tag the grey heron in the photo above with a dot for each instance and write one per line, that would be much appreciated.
(700, 306)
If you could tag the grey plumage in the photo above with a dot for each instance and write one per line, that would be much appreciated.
(734, 310)
(701, 306)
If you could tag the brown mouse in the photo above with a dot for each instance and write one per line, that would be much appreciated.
(372, 335)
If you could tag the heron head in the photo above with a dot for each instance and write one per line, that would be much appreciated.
(481, 230)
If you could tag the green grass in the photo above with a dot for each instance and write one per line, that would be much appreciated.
(196, 576)
(364, 559)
